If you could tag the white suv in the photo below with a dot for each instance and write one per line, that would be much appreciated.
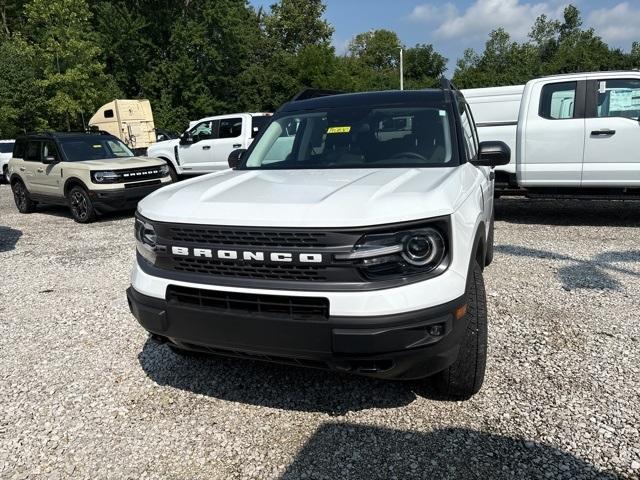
(352, 235)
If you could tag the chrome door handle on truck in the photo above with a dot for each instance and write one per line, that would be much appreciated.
(206, 147)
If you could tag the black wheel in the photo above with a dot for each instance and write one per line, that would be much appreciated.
(81, 206)
(489, 255)
(172, 171)
(464, 378)
(22, 199)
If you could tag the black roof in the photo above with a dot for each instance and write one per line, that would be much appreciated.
(54, 135)
(390, 97)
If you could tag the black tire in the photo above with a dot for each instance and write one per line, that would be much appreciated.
(488, 258)
(5, 175)
(80, 204)
(172, 171)
(464, 378)
(22, 198)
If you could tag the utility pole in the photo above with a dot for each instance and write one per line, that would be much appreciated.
(401, 70)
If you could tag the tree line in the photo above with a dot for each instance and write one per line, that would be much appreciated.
(61, 59)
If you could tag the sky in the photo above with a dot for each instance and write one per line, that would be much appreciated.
(453, 25)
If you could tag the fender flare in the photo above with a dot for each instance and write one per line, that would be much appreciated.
(479, 250)
(73, 180)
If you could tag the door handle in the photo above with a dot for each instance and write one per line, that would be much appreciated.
(40, 170)
(206, 147)
(605, 132)
(22, 169)
(237, 145)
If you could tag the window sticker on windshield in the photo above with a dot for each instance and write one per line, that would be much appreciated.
(442, 113)
(339, 130)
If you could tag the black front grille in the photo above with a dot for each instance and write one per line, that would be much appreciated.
(138, 174)
(247, 237)
(296, 308)
(286, 272)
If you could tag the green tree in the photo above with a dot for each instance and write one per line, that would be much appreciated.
(22, 103)
(67, 55)
(296, 24)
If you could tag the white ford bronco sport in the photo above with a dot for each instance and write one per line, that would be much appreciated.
(90, 172)
(351, 235)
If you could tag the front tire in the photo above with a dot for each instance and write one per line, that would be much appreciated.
(81, 207)
(22, 198)
(464, 377)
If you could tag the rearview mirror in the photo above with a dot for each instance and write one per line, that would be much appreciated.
(49, 160)
(492, 154)
(235, 156)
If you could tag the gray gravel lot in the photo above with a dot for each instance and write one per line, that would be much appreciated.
(83, 394)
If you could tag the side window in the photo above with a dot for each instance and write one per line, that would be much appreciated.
(557, 100)
(618, 98)
(19, 149)
(108, 113)
(257, 124)
(468, 130)
(49, 149)
(230, 128)
(203, 131)
(32, 153)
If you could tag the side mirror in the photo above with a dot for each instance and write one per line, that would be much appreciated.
(186, 139)
(492, 154)
(49, 160)
(235, 156)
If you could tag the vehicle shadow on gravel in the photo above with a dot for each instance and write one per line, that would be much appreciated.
(592, 273)
(594, 213)
(63, 212)
(351, 451)
(8, 238)
(271, 385)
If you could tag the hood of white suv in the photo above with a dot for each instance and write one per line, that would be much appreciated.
(312, 198)
(119, 163)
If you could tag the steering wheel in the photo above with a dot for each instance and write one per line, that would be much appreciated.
(409, 154)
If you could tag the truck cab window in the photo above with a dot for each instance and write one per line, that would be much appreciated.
(202, 131)
(230, 128)
(618, 98)
(557, 100)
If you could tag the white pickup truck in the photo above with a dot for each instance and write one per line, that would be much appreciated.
(570, 135)
(206, 145)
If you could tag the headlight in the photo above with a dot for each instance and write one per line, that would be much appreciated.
(104, 177)
(146, 239)
(419, 251)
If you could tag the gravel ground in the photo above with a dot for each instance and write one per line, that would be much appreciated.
(83, 394)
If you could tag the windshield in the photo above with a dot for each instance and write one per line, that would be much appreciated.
(372, 137)
(6, 147)
(93, 148)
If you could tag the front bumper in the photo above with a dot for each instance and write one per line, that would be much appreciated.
(396, 346)
(123, 198)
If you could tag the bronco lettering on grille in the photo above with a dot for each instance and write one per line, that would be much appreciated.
(247, 256)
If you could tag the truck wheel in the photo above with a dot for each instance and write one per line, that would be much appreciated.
(22, 199)
(489, 255)
(81, 206)
(172, 172)
(464, 378)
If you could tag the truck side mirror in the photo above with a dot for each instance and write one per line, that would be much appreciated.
(235, 156)
(186, 139)
(492, 154)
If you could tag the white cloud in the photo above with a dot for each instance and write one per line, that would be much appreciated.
(482, 16)
(618, 24)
